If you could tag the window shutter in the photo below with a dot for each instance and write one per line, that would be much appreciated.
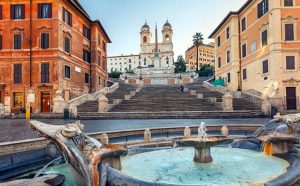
(70, 19)
(63, 14)
(47, 40)
(23, 11)
(50, 11)
(12, 11)
(0, 12)
(0, 42)
(289, 32)
(39, 11)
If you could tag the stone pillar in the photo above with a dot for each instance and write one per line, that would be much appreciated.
(277, 101)
(126, 81)
(2, 112)
(73, 111)
(7, 109)
(102, 104)
(227, 102)
(202, 155)
(187, 132)
(224, 131)
(200, 96)
(147, 135)
(213, 100)
(104, 139)
(266, 107)
(59, 103)
(193, 92)
(185, 89)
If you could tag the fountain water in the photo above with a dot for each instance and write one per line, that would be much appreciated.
(202, 135)
(55, 161)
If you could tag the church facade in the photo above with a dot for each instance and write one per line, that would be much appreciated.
(155, 54)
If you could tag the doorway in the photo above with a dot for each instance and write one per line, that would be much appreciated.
(291, 98)
(45, 102)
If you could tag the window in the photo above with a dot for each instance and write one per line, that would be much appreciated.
(262, 8)
(243, 24)
(67, 72)
(145, 62)
(288, 3)
(17, 41)
(244, 74)
(99, 39)
(86, 78)
(104, 46)
(219, 41)
(244, 50)
(44, 10)
(219, 62)
(0, 42)
(67, 45)
(86, 56)
(45, 73)
(0, 12)
(228, 78)
(99, 79)
(264, 38)
(227, 33)
(228, 56)
(99, 58)
(289, 32)
(290, 62)
(45, 40)
(86, 32)
(17, 11)
(67, 17)
(17, 73)
(253, 47)
(265, 66)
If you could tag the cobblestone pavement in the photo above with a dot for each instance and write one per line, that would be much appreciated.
(19, 129)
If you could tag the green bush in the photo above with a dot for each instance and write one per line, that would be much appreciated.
(114, 74)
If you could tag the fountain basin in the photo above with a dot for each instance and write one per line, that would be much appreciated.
(202, 147)
(230, 167)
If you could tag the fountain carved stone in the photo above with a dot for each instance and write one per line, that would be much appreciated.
(202, 144)
(84, 153)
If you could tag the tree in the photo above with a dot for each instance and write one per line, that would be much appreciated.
(114, 74)
(180, 65)
(198, 40)
(206, 70)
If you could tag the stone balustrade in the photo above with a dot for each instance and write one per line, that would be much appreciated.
(39, 143)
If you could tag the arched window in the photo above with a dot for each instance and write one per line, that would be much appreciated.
(145, 62)
(167, 60)
(145, 39)
(167, 37)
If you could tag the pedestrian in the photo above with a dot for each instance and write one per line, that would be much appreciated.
(181, 89)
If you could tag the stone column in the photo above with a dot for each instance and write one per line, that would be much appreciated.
(187, 132)
(147, 135)
(200, 96)
(102, 104)
(59, 103)
(104, 139)
(2, 112)
(227, 102)
(224, 131)
(266, 107)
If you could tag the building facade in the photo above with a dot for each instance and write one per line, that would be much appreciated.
(164, 49)
(258, 48)
(206, 55)
(49, 46)
(152, 54)
(123, 63)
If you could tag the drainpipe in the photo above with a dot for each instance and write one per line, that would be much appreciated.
(30, 45)
(240, 57)
(90, 89)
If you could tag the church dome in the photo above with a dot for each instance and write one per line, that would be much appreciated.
(167, 24)
(146, 26)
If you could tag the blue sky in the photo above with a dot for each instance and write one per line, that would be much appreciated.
(123, 20)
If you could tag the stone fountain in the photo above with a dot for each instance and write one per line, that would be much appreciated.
(202, 144)
(85, 154)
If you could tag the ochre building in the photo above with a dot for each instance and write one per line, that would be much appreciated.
(206, 55)
(258, 50)
(48, 46)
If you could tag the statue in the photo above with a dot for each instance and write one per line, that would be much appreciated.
(202, 136)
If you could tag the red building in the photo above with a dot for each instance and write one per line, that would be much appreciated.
(47, 46)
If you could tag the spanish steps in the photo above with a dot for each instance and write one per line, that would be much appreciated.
(153, 99)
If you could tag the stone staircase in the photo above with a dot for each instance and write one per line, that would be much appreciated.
(92, 106)
(163, 98)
